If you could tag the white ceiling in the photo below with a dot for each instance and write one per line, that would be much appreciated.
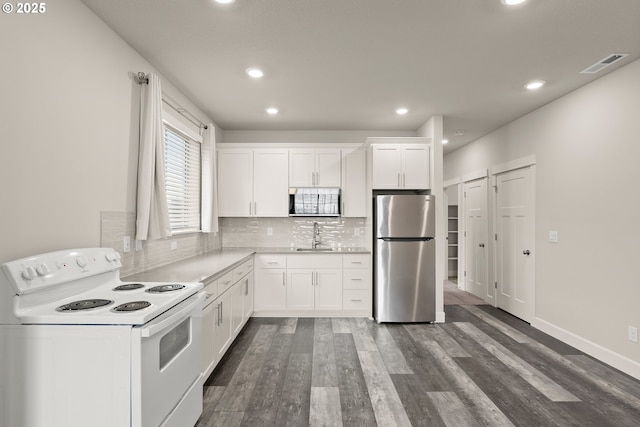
(348, 64)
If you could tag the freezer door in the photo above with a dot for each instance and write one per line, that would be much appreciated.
(404, 284)
(405, 216)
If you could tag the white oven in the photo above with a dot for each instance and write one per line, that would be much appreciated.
(170, 352)
(79, 348)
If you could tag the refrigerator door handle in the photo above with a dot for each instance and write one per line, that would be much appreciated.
(405, 239)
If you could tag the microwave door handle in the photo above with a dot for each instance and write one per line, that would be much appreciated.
(165, 324)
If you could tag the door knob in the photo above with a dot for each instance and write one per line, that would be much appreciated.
(527, 252)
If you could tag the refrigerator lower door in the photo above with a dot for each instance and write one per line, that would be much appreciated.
(404, 285)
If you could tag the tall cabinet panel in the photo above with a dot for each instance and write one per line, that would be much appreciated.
(354, 184)
(271, 183)
(235, 182)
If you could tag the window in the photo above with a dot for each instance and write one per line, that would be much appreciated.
(182, 176)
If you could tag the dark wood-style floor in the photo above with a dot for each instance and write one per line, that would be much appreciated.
(482, 367)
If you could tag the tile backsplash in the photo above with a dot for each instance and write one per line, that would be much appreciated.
(293, 232)
(154, 253)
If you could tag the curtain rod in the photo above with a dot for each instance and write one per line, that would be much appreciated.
(141, 78)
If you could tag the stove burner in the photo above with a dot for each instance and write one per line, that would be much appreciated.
(131, 306)
(165, 288)
(129, 287)
(86, 304)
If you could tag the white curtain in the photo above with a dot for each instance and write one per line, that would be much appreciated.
(209, 181)
(152, 214)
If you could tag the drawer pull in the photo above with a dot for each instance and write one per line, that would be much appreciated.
(357, 280)
(273, 262)
(356, 300)
(356, 262)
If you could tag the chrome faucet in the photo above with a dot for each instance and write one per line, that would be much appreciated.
(316, 235)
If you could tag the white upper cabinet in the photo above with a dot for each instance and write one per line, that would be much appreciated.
(400, 166)
(253, 182)
(354, 184)
(314, 168)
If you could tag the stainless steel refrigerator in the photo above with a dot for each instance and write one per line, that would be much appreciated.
(404, 258)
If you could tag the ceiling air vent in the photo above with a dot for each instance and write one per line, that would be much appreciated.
(604, 63)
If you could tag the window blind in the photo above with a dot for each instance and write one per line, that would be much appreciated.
(182, 180)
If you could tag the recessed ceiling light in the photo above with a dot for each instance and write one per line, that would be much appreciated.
(512, 2)
(444, 141)
(225, 1)
(272, 110)
(536, 84)
(255, 73)
(402, 111)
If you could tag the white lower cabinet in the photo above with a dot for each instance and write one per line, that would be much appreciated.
(228, 306)
(312, 284)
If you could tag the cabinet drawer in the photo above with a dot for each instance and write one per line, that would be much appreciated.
(314, 261)
(271, 261)
(356, 300)
(355, 261)
(355, 278)
(242, 269)
(225, 282)
(211, 291)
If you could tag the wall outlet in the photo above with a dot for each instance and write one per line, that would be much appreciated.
(356, 231)
(553, 237)
(633, 333)
(126, 244)
(269, 231)
(138, 245)
(174, 246)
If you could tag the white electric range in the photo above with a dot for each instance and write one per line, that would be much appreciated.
(80, 347)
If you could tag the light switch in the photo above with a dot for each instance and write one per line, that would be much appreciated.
(174, 245)
(126, 244)
(553, 236)
(269, 231)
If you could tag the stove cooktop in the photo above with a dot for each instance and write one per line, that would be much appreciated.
(108, 304)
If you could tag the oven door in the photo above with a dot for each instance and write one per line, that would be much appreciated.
(166, 367)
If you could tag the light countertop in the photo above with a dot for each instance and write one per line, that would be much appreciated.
(194, 269)
(201, 267)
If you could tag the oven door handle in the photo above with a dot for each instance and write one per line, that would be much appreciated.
(162, 324)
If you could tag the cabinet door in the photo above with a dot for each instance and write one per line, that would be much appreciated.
(271, 183)
(223, 326)
(270, 289)
(247, 284)
(416, 167)
(300, 289)
(237, 309)
(235, 182)
(209, 320)
(328, 289)
(386, 165)
(327, 168)
(301, 168)
(354, 184)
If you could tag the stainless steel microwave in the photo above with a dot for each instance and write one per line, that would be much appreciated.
(315, 201)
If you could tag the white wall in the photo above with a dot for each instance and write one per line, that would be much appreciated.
(587, 148)
(69, 120)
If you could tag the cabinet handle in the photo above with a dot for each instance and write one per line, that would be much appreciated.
(317, 178)
(283, 279)
(357, 280)
(218, 316)
(272, 262)
(220, 312)
(398, 179)
(249, 208)
(255, 208)
(356, 262)
(404, 180)
(356, 300)
(313, 178)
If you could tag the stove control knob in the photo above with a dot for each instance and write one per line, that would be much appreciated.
(43, 269)
(29, 273)
(111, 256)
(82, 261)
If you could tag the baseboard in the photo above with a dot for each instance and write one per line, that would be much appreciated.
(440, 317)
(618, 361)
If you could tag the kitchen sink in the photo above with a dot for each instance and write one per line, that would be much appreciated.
(314, 249)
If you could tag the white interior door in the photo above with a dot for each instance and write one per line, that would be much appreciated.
(475, 237)
(515, 258)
